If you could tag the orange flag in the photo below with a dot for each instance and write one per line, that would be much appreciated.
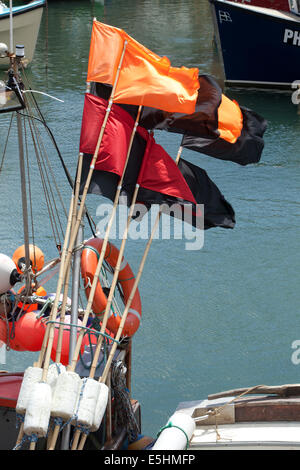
(145, 78)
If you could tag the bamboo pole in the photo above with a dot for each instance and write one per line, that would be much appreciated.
(106, 371)
(46, 336)
(106, 314)
(73, 235)
(91, 170)
(60, 280)
(115, 277)
(113, 285)
(102, 253)
(66, 288)
(48, 340)
(134, 288)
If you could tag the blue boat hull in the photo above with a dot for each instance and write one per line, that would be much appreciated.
(258, 46)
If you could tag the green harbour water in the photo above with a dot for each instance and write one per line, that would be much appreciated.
(222, 317)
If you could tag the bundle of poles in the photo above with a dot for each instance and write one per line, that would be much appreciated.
(76, 213)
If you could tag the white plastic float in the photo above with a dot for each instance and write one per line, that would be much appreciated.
(176, 434)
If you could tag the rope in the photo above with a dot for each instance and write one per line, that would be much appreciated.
(6, 142)
(216, 411)
(31, 438)
(124, 414)
(170, 425)
(84, 328)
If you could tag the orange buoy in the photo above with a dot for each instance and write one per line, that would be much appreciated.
(29, 331)
(5, 336)
(36, 257)
(89, 260)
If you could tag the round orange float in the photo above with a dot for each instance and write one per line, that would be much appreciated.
(6, 330)
(36, 257)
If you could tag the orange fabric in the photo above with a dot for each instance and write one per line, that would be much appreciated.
(230, 120)
(145, 78)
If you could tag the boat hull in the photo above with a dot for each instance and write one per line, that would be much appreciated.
(26, 24)
(269, 58)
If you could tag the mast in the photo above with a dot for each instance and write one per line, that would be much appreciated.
(24, 203)
(14, 59)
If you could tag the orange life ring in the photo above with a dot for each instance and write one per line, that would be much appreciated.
(89, 260)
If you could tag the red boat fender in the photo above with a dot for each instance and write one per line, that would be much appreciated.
(89, 260)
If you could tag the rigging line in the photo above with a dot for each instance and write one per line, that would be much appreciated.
(68, 176)
(41, 143)
(37, 140)
(47, 198)
(32, 118)
(6, 141)
(29, 187)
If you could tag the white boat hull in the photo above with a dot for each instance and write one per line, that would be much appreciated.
(26, 26)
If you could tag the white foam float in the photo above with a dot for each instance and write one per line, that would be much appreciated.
(32, 375)
(87, 402)
(54, 371)
(38, 410)
(100, 407)
(65, 395)
(176, 434)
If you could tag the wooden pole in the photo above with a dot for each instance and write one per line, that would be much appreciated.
(114, 282)
(134, 288)
(66, 288)
(102, 254)
(91, 170)
(106, 371)
(73, 235)
(113, 285)
(60, 281)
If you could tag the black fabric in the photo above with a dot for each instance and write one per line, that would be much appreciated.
(247, 149)
(217, 211)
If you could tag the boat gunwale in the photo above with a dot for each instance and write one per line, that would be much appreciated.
(23, 9)
(254, 10)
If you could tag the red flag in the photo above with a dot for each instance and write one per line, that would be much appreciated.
(115, 142)
(160, 173)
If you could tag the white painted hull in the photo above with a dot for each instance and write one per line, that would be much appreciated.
(25, 31)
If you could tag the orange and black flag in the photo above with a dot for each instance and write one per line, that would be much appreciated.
(219, 127)
(144, 77)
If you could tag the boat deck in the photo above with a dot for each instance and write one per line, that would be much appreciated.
(256, 422)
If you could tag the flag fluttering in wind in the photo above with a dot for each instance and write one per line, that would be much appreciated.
(219, 127)
(161, 180)
(144, 78)
(246, 149)
(154, 168)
